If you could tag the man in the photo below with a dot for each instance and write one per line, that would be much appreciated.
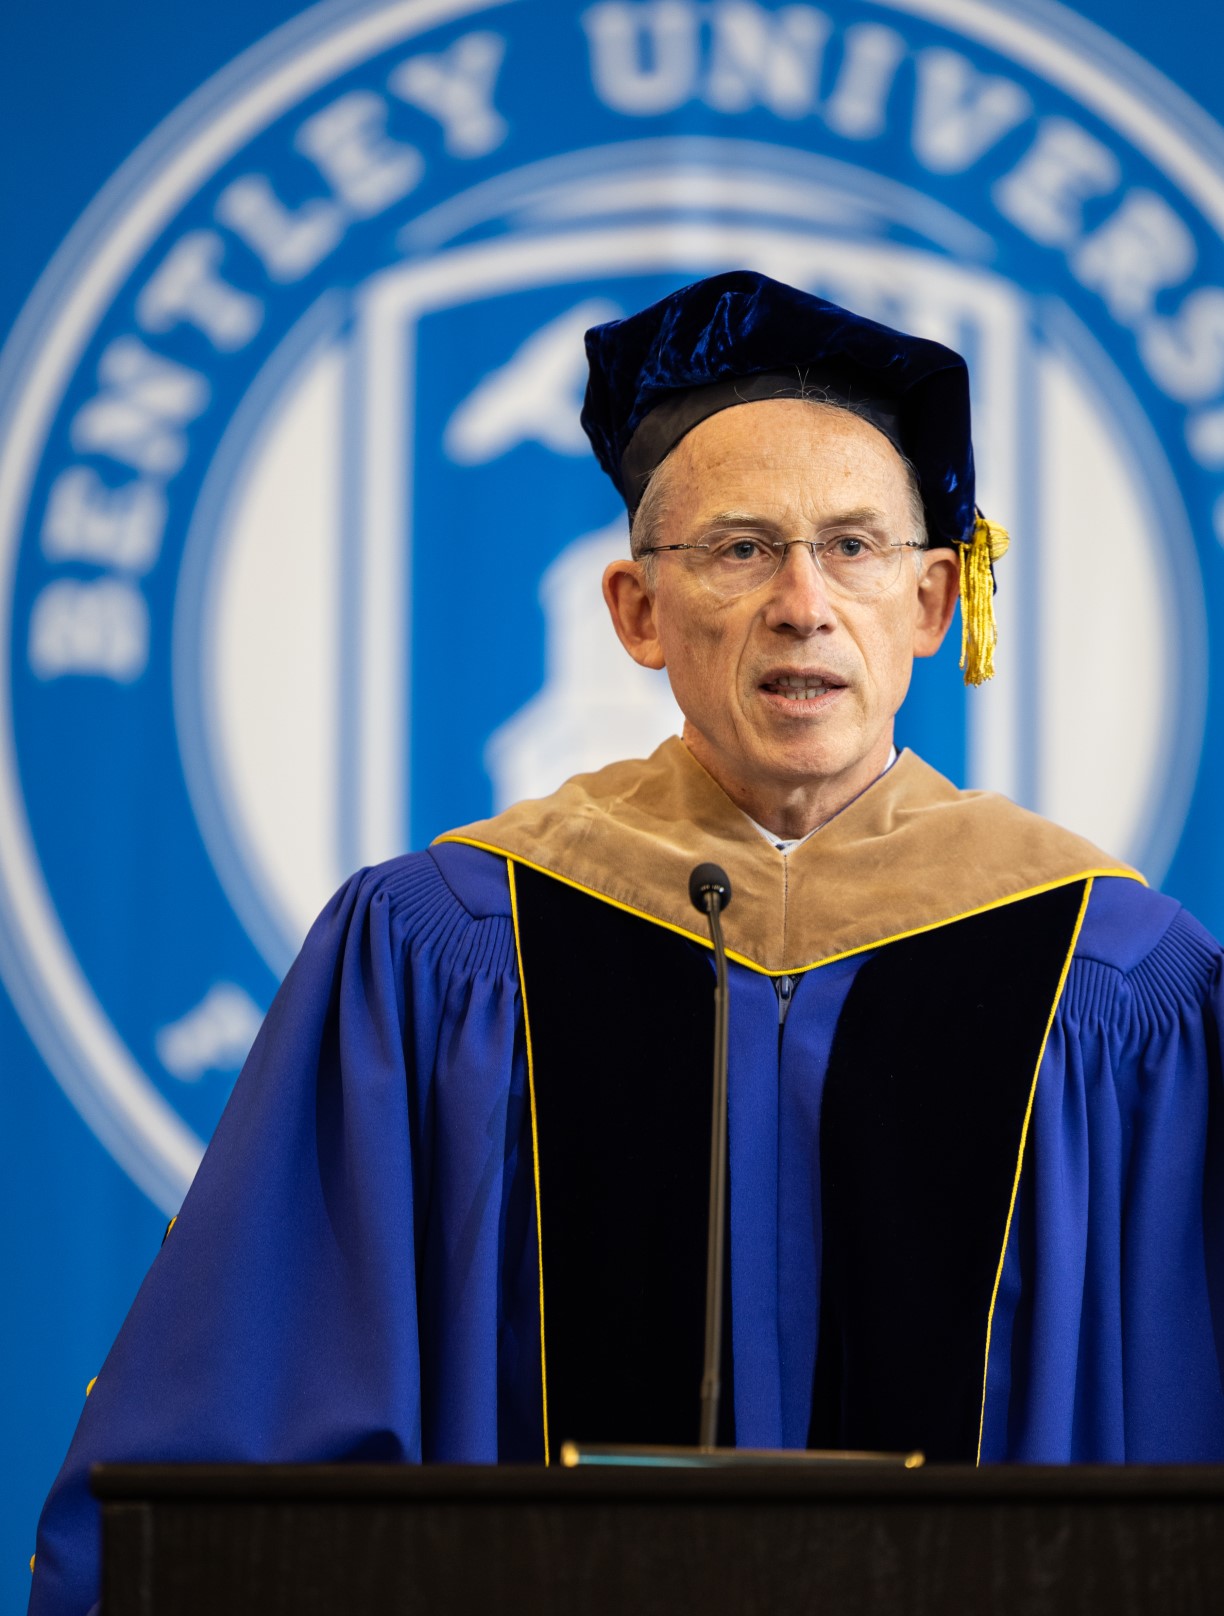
(456, 1206)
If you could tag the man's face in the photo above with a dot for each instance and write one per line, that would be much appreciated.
(791, 471)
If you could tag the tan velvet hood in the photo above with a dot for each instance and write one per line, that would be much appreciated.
(910, 853)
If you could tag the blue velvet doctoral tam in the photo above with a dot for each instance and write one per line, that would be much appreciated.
(654, 375)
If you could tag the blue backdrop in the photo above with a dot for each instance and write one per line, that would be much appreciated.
(299, 543)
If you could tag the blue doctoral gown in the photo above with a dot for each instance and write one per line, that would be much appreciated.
(354, 1272)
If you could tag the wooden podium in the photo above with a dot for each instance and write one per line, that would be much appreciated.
(481, 1541)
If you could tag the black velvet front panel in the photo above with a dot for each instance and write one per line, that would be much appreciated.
(928, 1083)
(622, 1033)
(923, 1109)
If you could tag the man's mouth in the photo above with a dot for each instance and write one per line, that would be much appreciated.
(799, 686)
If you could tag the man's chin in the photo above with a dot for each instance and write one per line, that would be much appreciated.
(780, 765)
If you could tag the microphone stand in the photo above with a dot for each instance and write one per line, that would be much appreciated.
(710, 892)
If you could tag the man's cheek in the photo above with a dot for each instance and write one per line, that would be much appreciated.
(707, 641)
(691, 649)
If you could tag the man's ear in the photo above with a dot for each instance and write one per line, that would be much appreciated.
(631, 605)
(938, 590)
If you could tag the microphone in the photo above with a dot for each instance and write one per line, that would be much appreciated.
(710, 892)
(709, 881)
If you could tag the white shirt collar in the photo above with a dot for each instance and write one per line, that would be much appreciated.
(797, 841)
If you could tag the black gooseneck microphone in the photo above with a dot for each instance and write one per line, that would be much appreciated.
(710, 891)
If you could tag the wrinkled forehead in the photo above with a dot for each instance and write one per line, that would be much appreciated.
(786, 458)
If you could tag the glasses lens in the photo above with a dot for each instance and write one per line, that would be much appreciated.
(859, 566)
(736, 564)
(851, 565)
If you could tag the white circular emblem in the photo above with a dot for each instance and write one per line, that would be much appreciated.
(300, 540)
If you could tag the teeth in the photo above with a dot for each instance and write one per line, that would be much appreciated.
(798, 687)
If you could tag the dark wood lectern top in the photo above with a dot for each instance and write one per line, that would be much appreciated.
(524, 1483)
(473, 1540)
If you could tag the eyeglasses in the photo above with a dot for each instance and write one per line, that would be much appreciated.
(736, 563)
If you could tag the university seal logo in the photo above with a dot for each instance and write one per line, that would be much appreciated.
(300, 540)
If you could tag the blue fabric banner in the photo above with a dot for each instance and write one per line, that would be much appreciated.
(300, 539)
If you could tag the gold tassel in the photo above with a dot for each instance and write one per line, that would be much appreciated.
(979, 631)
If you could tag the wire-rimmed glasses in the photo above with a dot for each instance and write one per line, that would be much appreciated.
(854, 564)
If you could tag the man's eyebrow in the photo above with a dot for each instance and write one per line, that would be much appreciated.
(738, 519)
(864, 515)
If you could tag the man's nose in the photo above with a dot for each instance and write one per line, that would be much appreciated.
(799, 593)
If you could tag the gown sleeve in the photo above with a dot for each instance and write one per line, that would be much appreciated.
(340, 1248)
(1108, 1338)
